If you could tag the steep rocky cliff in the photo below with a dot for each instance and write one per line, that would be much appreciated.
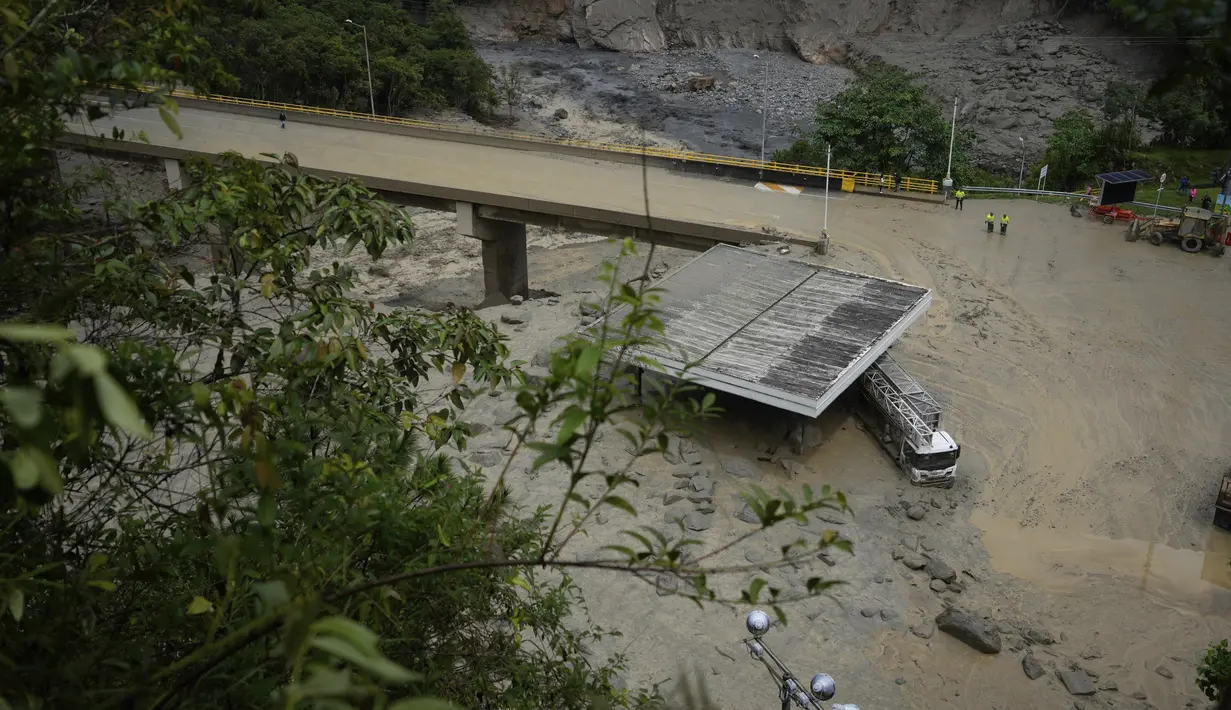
(805, 25)
(1012, 66)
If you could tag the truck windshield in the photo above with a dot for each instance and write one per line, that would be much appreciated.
(935, 462)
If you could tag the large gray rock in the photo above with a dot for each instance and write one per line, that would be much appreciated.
(740, 467)
(939, 570)
(487, 459)
(625, 25)
(969, 629)
(1032, 667)
(1076, 682)
(698, 522)
(689, 453)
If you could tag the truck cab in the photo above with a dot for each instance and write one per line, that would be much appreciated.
(935, 463)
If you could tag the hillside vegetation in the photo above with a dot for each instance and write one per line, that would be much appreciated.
(305, 52)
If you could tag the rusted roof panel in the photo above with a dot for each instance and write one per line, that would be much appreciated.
(788, 334)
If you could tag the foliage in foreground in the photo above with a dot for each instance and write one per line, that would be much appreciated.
(1214, 671)
(1191, 100)
(225, 482)
(882, 121)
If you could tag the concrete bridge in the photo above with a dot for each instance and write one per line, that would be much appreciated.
(495, 185)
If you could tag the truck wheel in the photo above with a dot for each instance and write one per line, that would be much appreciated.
(1192, 245)
(1156, 238)
(1108, 219)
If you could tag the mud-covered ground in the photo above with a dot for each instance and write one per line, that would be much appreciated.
(1087, 393)
(601, 89)
(1085, 378)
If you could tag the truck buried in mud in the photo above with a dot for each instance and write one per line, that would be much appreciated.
(906, 423)
(1222, 504)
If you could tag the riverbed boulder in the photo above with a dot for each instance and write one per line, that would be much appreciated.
(969, 629)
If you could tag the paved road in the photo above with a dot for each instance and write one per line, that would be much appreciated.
(501, 171)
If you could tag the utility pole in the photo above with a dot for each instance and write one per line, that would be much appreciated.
(828, 156)
(948, 183)
(765, 107)
(368, 59)
(1021, 173)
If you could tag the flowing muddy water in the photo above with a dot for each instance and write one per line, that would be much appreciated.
(1088, 382)
(1187, 580)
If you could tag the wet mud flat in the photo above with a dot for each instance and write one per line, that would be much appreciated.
(1088, 396)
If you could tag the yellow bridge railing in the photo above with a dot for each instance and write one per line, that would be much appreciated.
(860, 178)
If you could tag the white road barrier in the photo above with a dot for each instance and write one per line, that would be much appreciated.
(775, 187)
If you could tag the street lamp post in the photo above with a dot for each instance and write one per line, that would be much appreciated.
(368, 59)
(948, 183)
(828, 156)
(765, 107)
(1021, 173)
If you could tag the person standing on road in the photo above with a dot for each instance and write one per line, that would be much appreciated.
(1205, 202)
(282, 117)
(882, 183)
(959, 196)
(991, 220)
(897, 182)
(1004, 224)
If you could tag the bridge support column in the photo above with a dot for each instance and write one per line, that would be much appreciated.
(505, 273)
(177, 179)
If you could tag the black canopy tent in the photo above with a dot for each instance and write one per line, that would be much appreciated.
(1118, 187)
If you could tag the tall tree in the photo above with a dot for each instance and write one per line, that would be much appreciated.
(1072, 149)
(882, 121)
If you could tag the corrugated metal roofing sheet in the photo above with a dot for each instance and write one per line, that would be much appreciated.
(788, 334)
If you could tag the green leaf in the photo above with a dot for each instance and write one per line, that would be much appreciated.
(200, 394)
(618, 502)
(272, 594)
(324, 682)
(754, 589)
(266, 510)
(199, 605)
(17, 603)
(570, 420)
(378, 666)
(24, 469)
(24, 405)
(586, 362)
(118, 408)
(424, 703)
(354, 633)
(89, 361)
(23, 333)
(166, 113)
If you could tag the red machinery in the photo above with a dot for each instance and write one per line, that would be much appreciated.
(1111, 213)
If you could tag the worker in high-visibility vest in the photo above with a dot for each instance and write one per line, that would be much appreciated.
(958, 196)
(991, 220)
(1004, 224)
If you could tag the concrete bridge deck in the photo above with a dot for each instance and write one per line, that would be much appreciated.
(495, 191)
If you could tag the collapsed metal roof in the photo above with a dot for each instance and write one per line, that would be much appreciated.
(780, 332)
